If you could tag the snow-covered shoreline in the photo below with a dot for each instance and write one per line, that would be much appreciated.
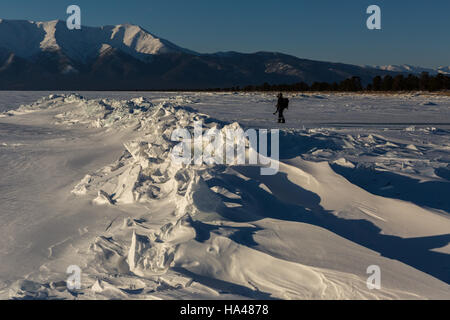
(90, 183)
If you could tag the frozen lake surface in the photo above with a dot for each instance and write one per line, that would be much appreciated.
(88, 180)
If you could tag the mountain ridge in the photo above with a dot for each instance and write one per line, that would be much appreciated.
(48, 56)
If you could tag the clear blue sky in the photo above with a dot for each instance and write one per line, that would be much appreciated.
(414, 32)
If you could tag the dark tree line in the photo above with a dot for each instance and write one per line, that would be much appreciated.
(424, 82)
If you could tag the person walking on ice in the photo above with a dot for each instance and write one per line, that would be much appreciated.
(283, 103)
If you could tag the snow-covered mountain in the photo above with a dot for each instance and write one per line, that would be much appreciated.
(405, 68)
(47, 55)
(444, 70)
(28, 38)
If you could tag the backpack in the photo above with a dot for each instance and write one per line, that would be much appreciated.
(285, 103)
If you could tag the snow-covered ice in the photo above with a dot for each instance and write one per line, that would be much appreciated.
(87, 180)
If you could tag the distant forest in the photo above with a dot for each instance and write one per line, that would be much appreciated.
(424, 82)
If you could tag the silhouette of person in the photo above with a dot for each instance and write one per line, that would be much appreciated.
(282, 104)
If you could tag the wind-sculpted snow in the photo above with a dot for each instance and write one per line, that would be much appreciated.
(225, 231)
